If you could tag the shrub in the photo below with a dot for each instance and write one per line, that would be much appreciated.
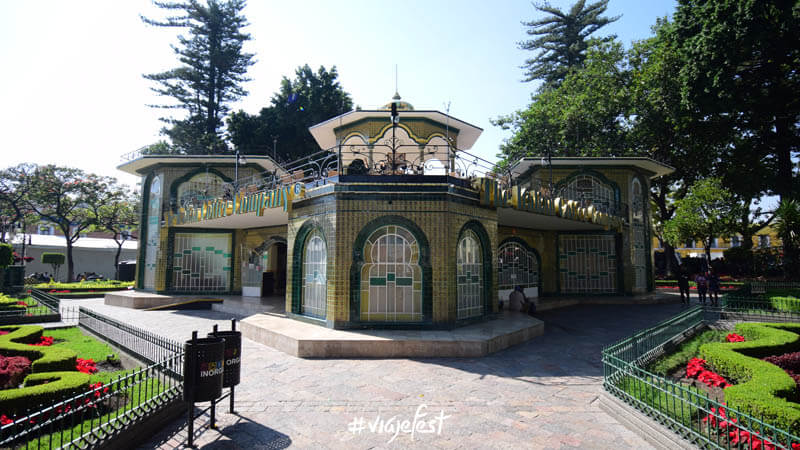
(45, 359)
(762, 388)
(13, 370)
(6, 255)
(10, 304)
(787, 361)
(739, 260)
(42, 388)
(788, 304)
(674, 401)
(686, 350)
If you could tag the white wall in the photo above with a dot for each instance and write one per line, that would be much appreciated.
(98, 260)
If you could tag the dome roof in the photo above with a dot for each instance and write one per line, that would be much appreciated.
(401, 105)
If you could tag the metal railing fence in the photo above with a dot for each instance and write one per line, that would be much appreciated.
(145, 345)
(87, 420)
(40, 307)
(685, 410)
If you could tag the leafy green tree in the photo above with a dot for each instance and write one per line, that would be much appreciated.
(787, 225)
(282, 127)
(739, 70)
(212, 71)
(68, 198)
(705, 213)
(117, 215)
(56, 260)
(6, 256)
(586, 115)
(14, 187)
(561, 39)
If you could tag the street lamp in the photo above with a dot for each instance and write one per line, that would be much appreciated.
(239, 159)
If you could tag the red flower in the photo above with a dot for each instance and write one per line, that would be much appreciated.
(696, 368)
(87, 366)
(4, 420)
(44, 341)
(733, 337)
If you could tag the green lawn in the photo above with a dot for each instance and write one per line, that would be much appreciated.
(685, 351)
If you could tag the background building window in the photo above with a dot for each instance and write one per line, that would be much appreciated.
(763, 241)
(315, 280)
(736, 241)
(47, 230)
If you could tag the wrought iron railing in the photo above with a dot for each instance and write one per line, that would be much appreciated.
(146, 346)
(686, 411)
(92, 418)
(39, 307)
(326, 166)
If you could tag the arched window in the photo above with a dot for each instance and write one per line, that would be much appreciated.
(391, 277)
(589, 190)
(153, 228)
(469, 276)
(638, 249)
(315, 280)
(516, 266)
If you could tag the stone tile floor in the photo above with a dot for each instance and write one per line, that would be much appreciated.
(541, 394)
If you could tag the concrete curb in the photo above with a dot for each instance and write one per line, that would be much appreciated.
(651, 431)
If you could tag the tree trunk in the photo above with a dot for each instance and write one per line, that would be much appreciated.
(783, 182)
(70, 265)
(116, 258)
(669, 255)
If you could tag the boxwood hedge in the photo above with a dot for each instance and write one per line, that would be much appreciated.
(54, 376)
(44, 359)
(762, 390)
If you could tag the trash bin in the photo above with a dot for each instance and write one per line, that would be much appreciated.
(203, 369)
(233, 356)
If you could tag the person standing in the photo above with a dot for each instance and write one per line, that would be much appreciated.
(683, 286)
(702, 286)
(713, 287)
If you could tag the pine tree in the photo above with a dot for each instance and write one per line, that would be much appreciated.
(561, 40)
(212, 71)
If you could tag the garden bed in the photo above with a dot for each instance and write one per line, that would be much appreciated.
(15, 310)
(81, 377)
(736, 369)
(83, 289)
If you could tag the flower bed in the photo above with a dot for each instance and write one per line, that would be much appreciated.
(55, 370)
(731, 370)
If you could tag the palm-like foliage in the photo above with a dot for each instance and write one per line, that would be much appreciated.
(560, 39)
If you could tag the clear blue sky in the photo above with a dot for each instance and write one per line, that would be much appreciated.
(72, 91)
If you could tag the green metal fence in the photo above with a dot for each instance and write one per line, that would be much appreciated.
(686, 410)
(37, 308)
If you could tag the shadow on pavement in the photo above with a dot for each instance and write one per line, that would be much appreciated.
(240, 433)
(571, 345)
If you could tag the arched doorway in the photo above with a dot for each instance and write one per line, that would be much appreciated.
(264, 269)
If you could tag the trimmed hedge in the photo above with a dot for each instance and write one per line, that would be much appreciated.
(762, 388)
(10, 304)
(42, 388)
(45, 359)
(54, 375)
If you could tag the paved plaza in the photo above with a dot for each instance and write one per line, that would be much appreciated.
(541, 394)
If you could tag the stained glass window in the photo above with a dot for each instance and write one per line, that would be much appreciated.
(315, 281)
(391, 277)
(469, 276)
(516, 266)
(589, 190)
(202, 262)
(639, 255)
(587, 263)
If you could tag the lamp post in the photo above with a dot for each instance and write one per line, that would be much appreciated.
(239, 158)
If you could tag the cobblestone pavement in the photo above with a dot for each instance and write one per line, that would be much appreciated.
(541, 394)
